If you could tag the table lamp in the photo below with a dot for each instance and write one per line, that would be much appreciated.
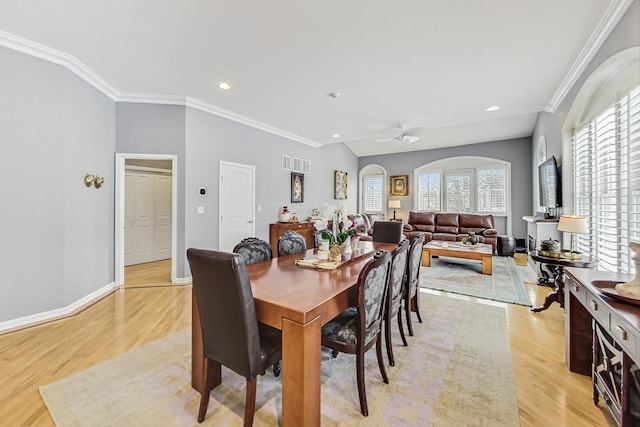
(574, 224)
(394, 204)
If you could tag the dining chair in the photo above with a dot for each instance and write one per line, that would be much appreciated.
(317, 236)
(231, 333)
(387, 232)
(253, 250)
(358, 328)
(395, 295)
(290, 243)
(413, 280)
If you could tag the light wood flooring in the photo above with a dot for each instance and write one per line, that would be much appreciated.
(548, 394)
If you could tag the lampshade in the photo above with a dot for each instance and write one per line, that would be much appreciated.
(573, 224)
(394, 204)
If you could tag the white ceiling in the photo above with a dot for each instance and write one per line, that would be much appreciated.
(434, 64)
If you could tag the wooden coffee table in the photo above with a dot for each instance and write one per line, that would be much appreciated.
(479, 251)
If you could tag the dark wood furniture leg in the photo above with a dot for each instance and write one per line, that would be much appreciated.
(557, 295)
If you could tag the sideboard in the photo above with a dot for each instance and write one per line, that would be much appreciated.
(277, 229)
(602, 339)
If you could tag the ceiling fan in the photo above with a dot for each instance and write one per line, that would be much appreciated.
(404, 134)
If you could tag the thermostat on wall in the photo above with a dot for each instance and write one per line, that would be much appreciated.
(202, 191)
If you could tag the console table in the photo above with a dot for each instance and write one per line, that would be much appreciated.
(557, 266)
(602, 339)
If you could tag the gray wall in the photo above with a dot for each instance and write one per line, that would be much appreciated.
(211, 139)
(625, 35)
(57, 234)
(515, 151)
(157, 129)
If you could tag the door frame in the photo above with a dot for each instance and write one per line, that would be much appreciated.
(119, 210)
(253, 196)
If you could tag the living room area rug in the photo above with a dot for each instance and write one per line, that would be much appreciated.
(456, 371)
(461, 276)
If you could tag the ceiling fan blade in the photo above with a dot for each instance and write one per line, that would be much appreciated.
(410, 139)
(414, 131)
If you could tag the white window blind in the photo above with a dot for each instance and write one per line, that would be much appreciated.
(458, 191)
(491, 193)
(428, 191)
(372, 194)
(606, 153)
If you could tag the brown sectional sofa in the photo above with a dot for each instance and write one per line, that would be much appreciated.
(451, 227)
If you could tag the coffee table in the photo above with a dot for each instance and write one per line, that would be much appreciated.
(480, 251)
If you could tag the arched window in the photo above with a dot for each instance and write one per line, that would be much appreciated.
(602, 135)
(463, 184)
(372, 184)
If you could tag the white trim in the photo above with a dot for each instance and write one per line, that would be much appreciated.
(119, 211)
(70, 62)
(45, 316)
(612, 16)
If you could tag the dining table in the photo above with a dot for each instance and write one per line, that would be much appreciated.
(298, 300)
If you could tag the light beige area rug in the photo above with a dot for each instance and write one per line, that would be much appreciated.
(456, 371)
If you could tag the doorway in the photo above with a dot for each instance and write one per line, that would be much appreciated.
(122, 229)
(236, 201)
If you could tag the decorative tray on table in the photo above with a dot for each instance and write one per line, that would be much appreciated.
(312, 261)
(608, 288)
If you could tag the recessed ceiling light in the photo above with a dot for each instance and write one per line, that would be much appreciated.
(493, 108)
(335, 94)
(335, 135)
(224, 86)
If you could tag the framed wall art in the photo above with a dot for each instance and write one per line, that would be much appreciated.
(297, 187)
(399, 185)
(340, 185)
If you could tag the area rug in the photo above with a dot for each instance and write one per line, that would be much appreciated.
(462, 276)
(456, 371)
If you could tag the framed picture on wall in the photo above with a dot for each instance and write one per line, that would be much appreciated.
(340, 185)
(399, 185)
(297, 187)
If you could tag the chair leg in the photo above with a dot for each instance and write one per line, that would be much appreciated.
(387, 338)
(407, 310)
(383, 370)
(334, 353)
(250, 403)
(404, 339)
(415, 304)
(362, 392)
(208, 386)
(277, 368)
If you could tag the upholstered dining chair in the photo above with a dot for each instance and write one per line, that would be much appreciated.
(413, 280)
(394, 296)
(387, 232)
(317, 236)
(231, 333)
(290, 243)
(253, 250)
(358, 328)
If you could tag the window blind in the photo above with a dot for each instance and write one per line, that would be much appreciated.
(458, 192)
(491, 194)
(372, 194)
(606, 168)
(429, 191)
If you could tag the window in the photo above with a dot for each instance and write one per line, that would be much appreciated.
(481, 188)
(372, 193)
(606, 167)
(428, 185)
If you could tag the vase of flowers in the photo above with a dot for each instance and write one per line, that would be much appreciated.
(336, 228)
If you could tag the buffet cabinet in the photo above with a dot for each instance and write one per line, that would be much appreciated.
(277, 229)
(602, 339)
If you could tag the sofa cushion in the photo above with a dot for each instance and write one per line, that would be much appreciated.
(360, 222)
(475, 223)
(446, 223)
(427, 220)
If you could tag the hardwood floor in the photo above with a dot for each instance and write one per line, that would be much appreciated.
(548, 394)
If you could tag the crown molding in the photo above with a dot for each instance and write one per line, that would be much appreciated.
(71, 63)
(612, 16)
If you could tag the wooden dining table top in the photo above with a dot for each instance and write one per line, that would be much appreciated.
(283, 289)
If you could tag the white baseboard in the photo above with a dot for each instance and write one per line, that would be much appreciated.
(58, 313)
(183, 280)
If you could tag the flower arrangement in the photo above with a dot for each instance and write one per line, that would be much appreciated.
(334, 218)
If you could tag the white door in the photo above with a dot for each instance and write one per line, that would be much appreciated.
(147, 217)
(237, 199)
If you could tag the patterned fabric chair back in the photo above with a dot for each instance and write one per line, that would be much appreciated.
(253, 250)
(373, 282)
(318, 236)
(413, 266)
(397, 277)
(290, 243)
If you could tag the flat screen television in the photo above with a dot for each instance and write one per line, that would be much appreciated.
(550, 185)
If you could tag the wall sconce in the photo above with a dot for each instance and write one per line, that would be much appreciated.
(97, 181)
